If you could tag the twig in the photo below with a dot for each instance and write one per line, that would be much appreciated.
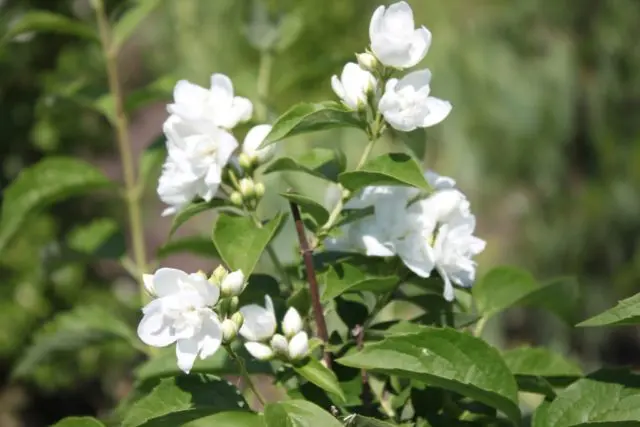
(245, 374)
(318, 313)
(366, 396)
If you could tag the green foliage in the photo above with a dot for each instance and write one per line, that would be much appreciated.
(539, 362)
(347, 278)
(315, 162)
(41, 21)
(319, 215)
(197, 245)
(626, 312)
(194, 209)
(318, 374)
(388, 169)
(297, 413)
(79, 422)
(127, 24)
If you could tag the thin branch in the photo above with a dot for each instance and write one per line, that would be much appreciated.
(307, 253)
(245, 374)
(366, 396)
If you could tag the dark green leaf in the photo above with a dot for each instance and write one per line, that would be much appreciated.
(448, 359)
(79, 422)
(312, 162)
(197, 245)
(192, 210)
(178, 400)
(626, 312)
(539, 362)
(388, 169)
(127, 24)
(310, 117)
(42, 184)
(309, 206)
(344, 277)
(298, 413)
(240, 242)
(318, 374)
(415, 140)
(41, 21)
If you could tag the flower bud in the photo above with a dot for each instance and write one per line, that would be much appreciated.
(218, 275)
(299, 346)
(258, 350)
(367, 61)
(229, 331)
(236, 198)
(246, 162)
(292, 322)
(238, 319)
(346, 194)
(232, 284)
(247, 188)
(259, 190)
(233, 304)
(280, 345)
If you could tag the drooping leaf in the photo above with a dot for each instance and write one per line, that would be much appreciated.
(388, 169)
(298, 413)
(539, 362)
(344, 277)
(240, 242)
(185, 398)
(309, 206)
(444, 358)
(321, 376)
(79, 422)
(626, 312)
(310, 117)
(197, 245)
(192, 210)
(70, 331)
(42, 21)
(42, 184)
(312, 162)
(129, 22)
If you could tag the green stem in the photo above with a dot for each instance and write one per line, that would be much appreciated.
(366, 153)
(245, 374)
(132, 195)
(477, 332)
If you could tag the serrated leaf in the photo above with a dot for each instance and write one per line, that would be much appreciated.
(194, 209)
(129, 22)
(539, 362)
(309, 206)
(298, 413)
(321, 376)
(240, 242)
(311, 117)
(42, 184)
(312, 162)
(626, 312)
(344, 277)
(185, 398)
(444, 358)
(506, 287)
(79, 422)
(197, 245)
(72, 330)
(41, 21)
(388, 169)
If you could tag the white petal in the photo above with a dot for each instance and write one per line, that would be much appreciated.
(166, 281)
(438, 111)
(242, 109)
(153, 330)
(399, 17)
(186, 352)
(226, 145)
(233, 284)
(292, 322)
(258, 350)
(374, 247)
(337, 87)
(211, 335)
(254, 138)
(259, 323)
(416, 79)
(417, 255)
(207, 291)
(299, 346)
(375, 26)
(279, 344)
(268, 303)
(448, 292)
(420, 43)
(221, 85)
(147, 279)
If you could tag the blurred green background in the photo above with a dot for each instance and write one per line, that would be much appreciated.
(544, 138)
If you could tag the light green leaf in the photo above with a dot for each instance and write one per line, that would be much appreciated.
(626, 312)
(129, 22)
(539, 362)
(41, 21)
(388, 169)
(589, 402)
(72, 330)
(228, 419)
(312, 162)
(448, 359)
(240, 242)
(321, 376)
(309, 206)
(310, 117)
(79, 422)
(178, 400)
(194, 209)
(197, 245)
(42, 184)
(298, 413)
(356, 420)
(344, 277)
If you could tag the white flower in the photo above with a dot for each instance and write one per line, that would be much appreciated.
(394, 39)
(353, 86)
(259, 322)
(216, 106)
(252, 141)
(292, 322)
(233, 284)
(280, 345)
(177, 186)
(181, 313)
(259, 350)
(299, 346)
(406, 104)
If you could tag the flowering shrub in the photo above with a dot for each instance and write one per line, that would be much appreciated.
(326, 330)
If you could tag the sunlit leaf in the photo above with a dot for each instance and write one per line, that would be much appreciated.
(321, 376)
(388, 169)
(197, 245)
(626, 312)
(298, 413)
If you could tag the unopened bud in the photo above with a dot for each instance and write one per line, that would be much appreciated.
(218, 275)
(246, 162)
(259, 350)
(232, 284)
(229, 331)
(247, 188)
(299, 346)
(236, 198)
(346, 194)
(367, 61)
(234, 302)
(279, 344)
(292, 322)
(259, 190)
(238, 319)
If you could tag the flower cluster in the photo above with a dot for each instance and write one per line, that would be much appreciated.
(200, 142)
(405, 103)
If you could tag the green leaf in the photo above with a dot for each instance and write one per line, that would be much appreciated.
(192, 210)
(298, 413)
(100, 238)
(311, 117)
(240, 242)
(356, 420)
(228, 419)
(73, 330)
(321, 376)
(79, 422)
(506, 287)
(539, 362)
(178, 400)
(388, 169)
(344, 277)
(42, 184)
(197, 245)
(127, 24)
(626, 312)
(41, 21)
(589, 402)
(309, 206)
(448, 359)
(313, 162)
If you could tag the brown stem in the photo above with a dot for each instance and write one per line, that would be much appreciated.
(366, 395)
(306, 251)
